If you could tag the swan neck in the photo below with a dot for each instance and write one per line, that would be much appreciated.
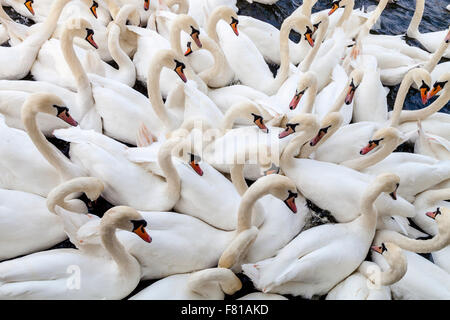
(436, 57)
(413, 28)
(117, 251)
(366, 161)
(400, 99)
(237, 177)
(348, 10)
(419, 246)
(248, 200)
(292, 148)
(424, 113)
(166, 164)
(119, 56)
(225, 278)
(154, 94)
(312, 92)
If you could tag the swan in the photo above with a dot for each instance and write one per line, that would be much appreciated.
(371, 97)
(423, 279)
(430, 202)
(125, 182)
(196, 179)
(24, 217)
(432, 145)
(309, 175)
(347, 142)
(201, 10)
(52, 67)
(369, 282)
(304, 267)
(46, 275)
(252, 70)
(17, 61)
(429, 40)
(150, 42)
(208, 284)
(37, 166)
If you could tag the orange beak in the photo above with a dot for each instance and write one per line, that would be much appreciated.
(333, 8)
(436, 88)
(65, 116)
(370, 146)
(142, 233)
(260, 124)
(94, 9)
(194, 36)
(424, 95)
(234, 24)
(90, 38)
(180, 73)
(295, 100)
(288, 131)
(378, 249)
(290, 202)
(146, 5)
(310, 39)
(188, 50)
(194, 165)
(29, 5)
(319, 136)
(350, 94)
(433, 214)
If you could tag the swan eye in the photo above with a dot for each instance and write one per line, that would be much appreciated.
(322, 132)
(370, 146)
(383, 248)
(29, 5)
(63, 114)
(93, 8)
(272, 170)
(139, 229)
(60, 109)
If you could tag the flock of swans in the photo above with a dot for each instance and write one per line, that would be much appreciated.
(175, 164)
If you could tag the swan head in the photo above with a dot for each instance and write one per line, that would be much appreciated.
(334, 6)
(380, 137)
(439, 85)
(353, 84)
(81, 28)
(388, 183)
(93, 187)
(280, 187)
(169, 59)
(330, 123)
(125, 218)
(393, 254)
(128, 12)
(422, 80)
(227, 14)
(29, 5)
(245, 110)
(50, 104)
(190, 26)
(307, 80)
(442, 217)
(302, 122)
(94, 8)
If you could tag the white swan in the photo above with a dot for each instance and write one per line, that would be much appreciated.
(45, 275)
(305, 266)
(38, 167)
(18, 60)
(208, 284)
(369, 282)
(430, 40)
(423, 279)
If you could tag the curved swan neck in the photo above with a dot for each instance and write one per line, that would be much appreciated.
(166, 164)
(413, 28)
(211, 25)
(237, 178)
(227, 280)
(419, 246)
(48, 151)
(218, 56)
(435, 196)
(110, 242)
(183, 5)
(82, 81)
(348, 10)
(154, 94)
(424, 113)
(436, 56)
(400, 99)
(375, 15)
(292, 149)
(361, 163)
(368, 211)
(48, 27)
(119, 56)
(306, 63)
(396, 271)
(175, 36)
(312, 93)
